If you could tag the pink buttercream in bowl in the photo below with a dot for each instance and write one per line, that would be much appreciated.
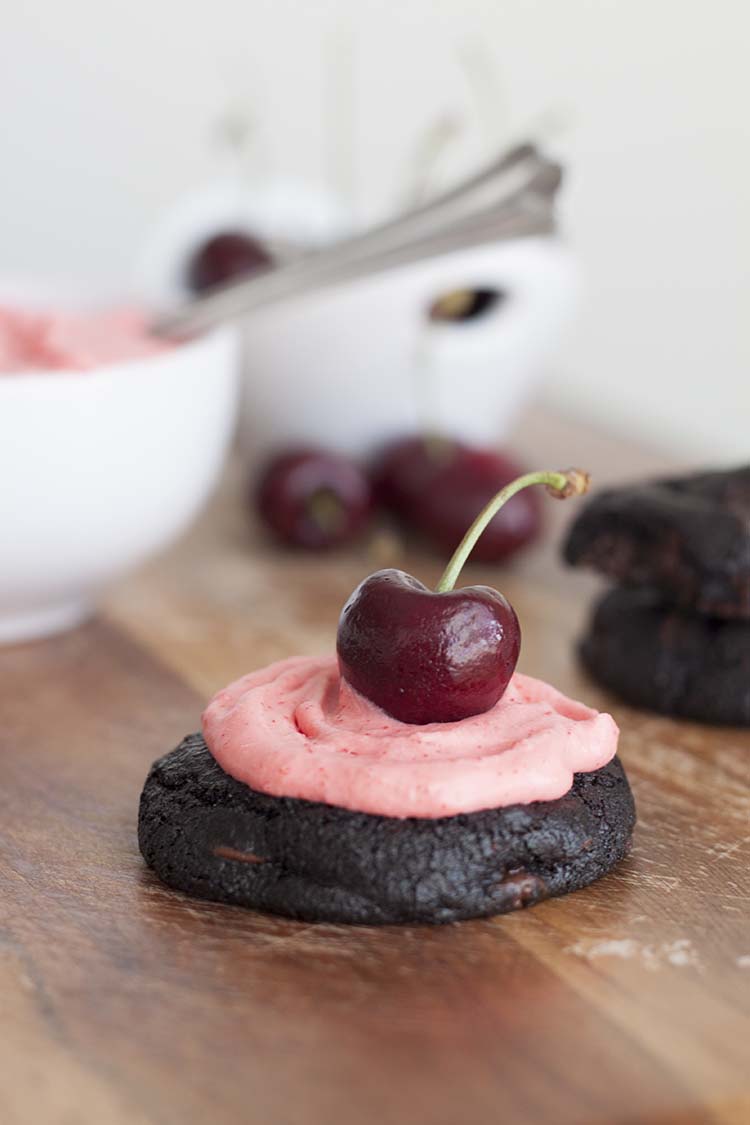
(110, 442)
(49, 340)
(295, 729)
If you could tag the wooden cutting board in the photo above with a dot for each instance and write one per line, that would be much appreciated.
(123, 1002)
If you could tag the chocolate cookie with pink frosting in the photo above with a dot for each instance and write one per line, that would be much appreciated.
(215, 838)
(414, 776)
(303, 798)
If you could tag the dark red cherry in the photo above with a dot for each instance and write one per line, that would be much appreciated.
(404, 471)
(438, 485)
(223, 257)
(438, 656)
(314, 499)
(462, 488)
(426, 657)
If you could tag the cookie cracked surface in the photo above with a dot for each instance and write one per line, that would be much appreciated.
(663, 659)
(688, 537)
(213, 837)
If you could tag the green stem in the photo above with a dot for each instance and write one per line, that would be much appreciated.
(570, 482)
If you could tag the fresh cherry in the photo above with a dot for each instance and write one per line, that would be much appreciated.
(405, 469)
(437, 656)
(425, 657)
(223, 257)
(464, 487)
(436, 485)
(314, 499)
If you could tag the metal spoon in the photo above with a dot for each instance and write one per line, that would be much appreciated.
(512, 197)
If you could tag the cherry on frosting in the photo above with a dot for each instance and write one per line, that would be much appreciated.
(314, 499)
(439, 656)
(425, 657)
(436, 485)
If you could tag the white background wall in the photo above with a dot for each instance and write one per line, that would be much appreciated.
(107, 110)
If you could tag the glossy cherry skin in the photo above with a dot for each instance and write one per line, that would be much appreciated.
(405, 469)
(224, 257)
(314, 499)
(425, 657)
(439, 487)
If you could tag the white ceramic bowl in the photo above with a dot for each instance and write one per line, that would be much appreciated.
(100, 469)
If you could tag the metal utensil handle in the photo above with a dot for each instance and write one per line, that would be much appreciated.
(231, 303)
(518, 188)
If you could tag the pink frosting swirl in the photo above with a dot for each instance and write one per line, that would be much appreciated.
(295, 729)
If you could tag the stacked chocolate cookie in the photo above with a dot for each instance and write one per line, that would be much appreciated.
(674, 635)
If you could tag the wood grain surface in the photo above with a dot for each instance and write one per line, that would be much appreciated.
(121, 1001)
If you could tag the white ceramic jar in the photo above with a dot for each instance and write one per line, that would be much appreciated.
(352, 367)
(349, 368)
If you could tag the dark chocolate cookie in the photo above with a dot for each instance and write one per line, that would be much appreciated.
(211, 836)
(667, 660)
(689, 537)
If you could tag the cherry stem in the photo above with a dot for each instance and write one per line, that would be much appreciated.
(560, 484)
